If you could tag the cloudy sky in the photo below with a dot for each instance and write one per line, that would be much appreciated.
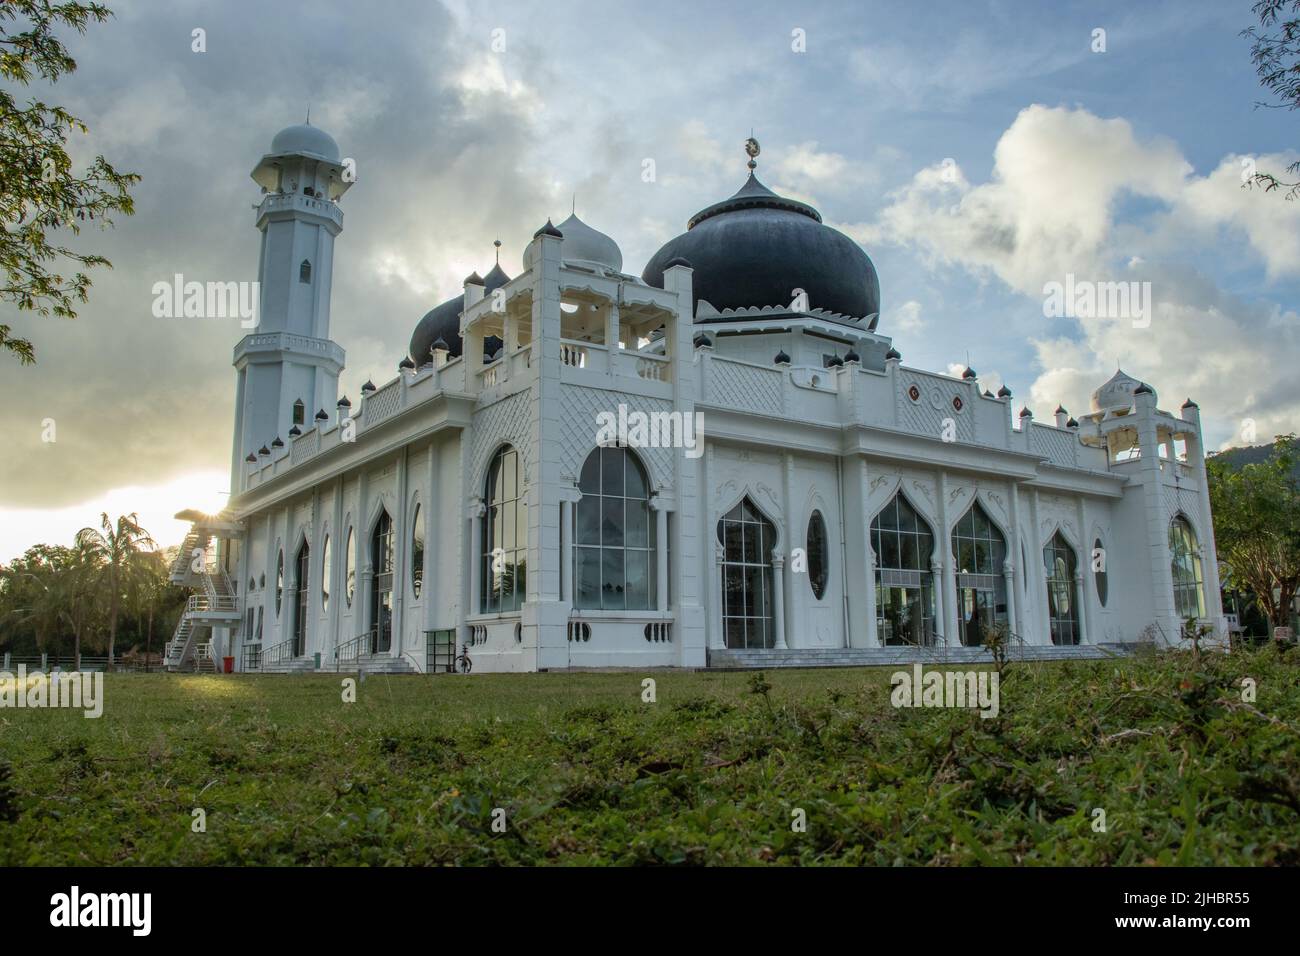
(977, 152)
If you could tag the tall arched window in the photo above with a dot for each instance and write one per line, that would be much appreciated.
(614, 537)
(299, 412)
(1185, 562)
(1099, 571)
(326, 574)
(1062, 596)
(304, 271)
(904, 544)
(279, 582)
(300, 611)
(747, 601)
(381, 605)
(981, 553)
(349, 568)
(818, 554)
(417, 552)
(503, 547)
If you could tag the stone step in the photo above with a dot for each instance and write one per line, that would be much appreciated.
(877, 656)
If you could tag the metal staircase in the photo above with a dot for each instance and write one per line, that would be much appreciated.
(213, 604)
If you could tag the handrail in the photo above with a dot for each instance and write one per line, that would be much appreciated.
(277, 655)
(252, 656)
(357, 648)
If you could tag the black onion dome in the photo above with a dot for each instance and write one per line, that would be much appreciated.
(756, 248)
(443, 321)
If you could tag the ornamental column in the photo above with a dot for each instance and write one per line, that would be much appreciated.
(778, 597)
(661, 556)
(718, 640)
(476, 511)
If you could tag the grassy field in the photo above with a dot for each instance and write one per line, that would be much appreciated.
(712, 772)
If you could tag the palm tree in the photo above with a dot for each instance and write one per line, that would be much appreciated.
(117, 549)
(146, 591)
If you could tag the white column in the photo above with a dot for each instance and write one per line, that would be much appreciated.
(477, 510)
(1083, 605)
(1009, 579)
(942, 600)
(778, 597)
(611, 338)
(718, 640)
(661, 558)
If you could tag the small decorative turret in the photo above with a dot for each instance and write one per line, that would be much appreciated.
(852, 358)
(702, 341)
(250, 458)
(835, 362)
(321, 416)
(893, 355)
(277, 443)
(405, 364)
(295, 431)
(781, 358)
(263, 451)
(1004, 392)
(968, 374)
(1061, 416)
(367, 388)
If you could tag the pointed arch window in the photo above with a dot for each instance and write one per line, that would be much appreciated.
(614, 534)
(747, 540)
(326, 574)
(980, 551)
(417, 551)
(503, 547)
(303, 603)
(381, 605)
(299, 412)
(818, 554)
(904, 544)
(279, 582)
(349, 569)
(1185, 562)
(1062, 595)
(304, 272)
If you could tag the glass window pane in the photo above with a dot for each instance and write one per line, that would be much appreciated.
(637, 532)
(733, 540)
(612, 580)
(611, 525)
(589, 482)
(638, 577)
(588, 521)
(611, 471)
(509, 474)
(586, 577)
(636, 487)
(750, 552)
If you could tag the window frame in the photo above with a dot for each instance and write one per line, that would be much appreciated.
(605, 501)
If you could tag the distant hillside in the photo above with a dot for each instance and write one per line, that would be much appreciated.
(1250, 455)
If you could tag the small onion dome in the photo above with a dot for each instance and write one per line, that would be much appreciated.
(987, 393)
(548, 230)
(250, 457)
(295, 431)
(968, 374)
(1026, 413)
(852, 356)
(264, 450)
(321, 416)
(1071, 424)
(405, 363)
(1060, 410)
(677, 261)
(1004, 392)
(368, 387)
(834, 362)
(277, 443)
(702, 341)
(344, 403)
(440, 343)
(781, 358)
(586, 246)
(1190, 404)
(473, 279)
(1143, 389)
(893, 353)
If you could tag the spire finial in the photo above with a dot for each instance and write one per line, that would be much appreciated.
(573, 209)
(752, 150)
(308, 114)
(497, 243)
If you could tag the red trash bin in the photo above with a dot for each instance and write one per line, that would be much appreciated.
(229, 663)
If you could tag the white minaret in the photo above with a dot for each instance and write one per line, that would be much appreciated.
(289, 357)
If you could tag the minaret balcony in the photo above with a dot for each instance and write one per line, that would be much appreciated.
(283, 203)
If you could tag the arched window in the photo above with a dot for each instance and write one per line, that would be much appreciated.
(381, 605)
(614, 537)
(304, 272)
(299, 412)
(747, 601)
(1099, 571)
(260, 609)
(503, 548)
(1062, 596)
(981, 554)
(818, 554)
(1185, 562)
(279, 582)
(349, 568)
(904, 544)
(326, 574)
(417, 551)
(300, 615)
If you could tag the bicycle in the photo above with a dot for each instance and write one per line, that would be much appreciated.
(463, 662)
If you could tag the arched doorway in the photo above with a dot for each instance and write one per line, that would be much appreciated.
(903, 543)
(381, 604)
(1062, 595)
(980, 553)
(748, 615)
(301, 605)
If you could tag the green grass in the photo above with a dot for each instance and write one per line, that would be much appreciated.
(711, 773)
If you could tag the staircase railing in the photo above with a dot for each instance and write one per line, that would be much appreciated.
(276, 655)
(351, 652)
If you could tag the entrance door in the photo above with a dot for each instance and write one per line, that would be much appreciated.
(978, 612)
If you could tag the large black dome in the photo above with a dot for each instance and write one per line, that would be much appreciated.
(756, 248)
(443, 321)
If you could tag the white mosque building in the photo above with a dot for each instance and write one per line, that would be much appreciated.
(785, 490)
